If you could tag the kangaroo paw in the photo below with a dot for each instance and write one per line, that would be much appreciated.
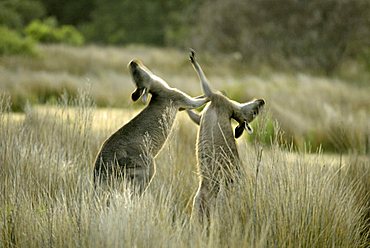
(192, 56)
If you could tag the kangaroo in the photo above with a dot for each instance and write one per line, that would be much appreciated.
(130, 151)
(218, 160)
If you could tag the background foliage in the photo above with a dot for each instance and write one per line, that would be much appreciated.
(12, 43)
(18, 13)
(316, 35)
(47, 31)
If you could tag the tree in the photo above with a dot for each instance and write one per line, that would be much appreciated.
(129, 21)
(16, 14)
(316, 34)
(72, 12)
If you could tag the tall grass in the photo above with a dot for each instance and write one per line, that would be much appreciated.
(47, 197)
(318, 112)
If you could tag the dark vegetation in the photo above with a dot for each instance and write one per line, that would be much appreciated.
(318, 36)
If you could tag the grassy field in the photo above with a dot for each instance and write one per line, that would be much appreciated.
(313, 112)
(304, 194)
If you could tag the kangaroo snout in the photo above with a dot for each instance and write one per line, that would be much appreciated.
(134, 67)
(133, 64)
(138, 70)
(260, 102)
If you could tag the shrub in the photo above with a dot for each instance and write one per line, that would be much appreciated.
(47, 31)
(68, 34)
(13, 43)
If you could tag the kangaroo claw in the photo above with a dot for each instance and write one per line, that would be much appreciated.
(192, 55)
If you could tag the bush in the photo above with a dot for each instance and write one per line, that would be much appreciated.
(47, 31)
(68, 34)
(13, 43)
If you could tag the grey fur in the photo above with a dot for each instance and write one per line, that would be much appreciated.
(217, 153)
(130, 151)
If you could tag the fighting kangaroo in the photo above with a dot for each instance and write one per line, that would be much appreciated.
(129, 152)
(217, 153)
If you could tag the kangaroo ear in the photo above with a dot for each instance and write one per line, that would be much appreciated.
(239, 130)
(248, 128)
(144, 96)
(136, 94)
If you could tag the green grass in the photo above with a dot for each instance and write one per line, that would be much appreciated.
(47, 198)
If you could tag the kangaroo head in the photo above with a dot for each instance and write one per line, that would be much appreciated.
(147, 82)
(144, 79)
(244, 113)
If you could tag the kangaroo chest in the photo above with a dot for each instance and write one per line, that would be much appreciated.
(216, 143)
